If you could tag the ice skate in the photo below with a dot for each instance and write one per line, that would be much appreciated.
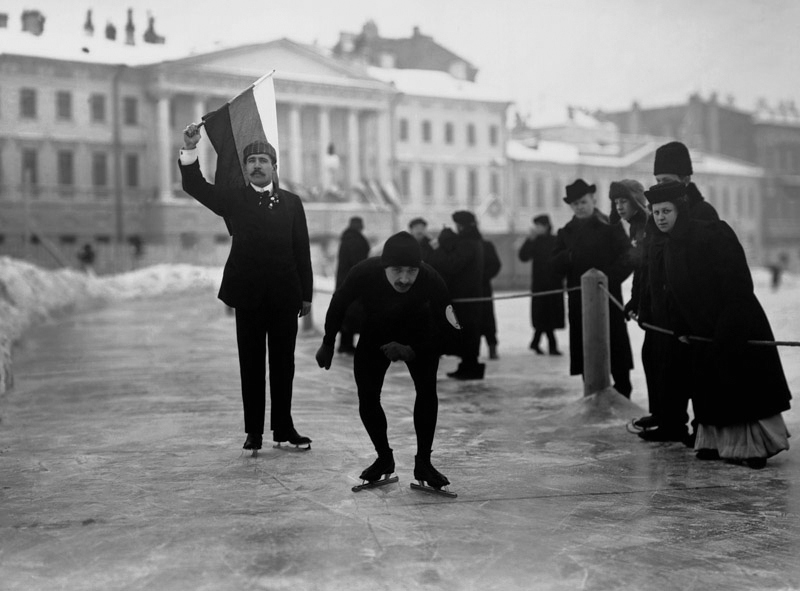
(378, 474)
(292, 437)
(429, 479)
(253, 442)
(641, 424)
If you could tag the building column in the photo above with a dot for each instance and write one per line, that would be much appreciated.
(295, 145)
(324, 140)
(165, 157)
(353, 152)
(384, 145)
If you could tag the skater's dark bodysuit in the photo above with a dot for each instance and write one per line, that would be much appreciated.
(407, 306)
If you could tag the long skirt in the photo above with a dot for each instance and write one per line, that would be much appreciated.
(759, 439)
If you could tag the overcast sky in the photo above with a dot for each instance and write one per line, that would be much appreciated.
(544, 54)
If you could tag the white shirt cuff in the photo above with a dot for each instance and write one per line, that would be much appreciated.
(188, 156)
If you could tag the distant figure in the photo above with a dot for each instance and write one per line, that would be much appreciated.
(738, 390)
(353, 248)
(491, 268)
(585, 242)
(86, 257)
(547, 312)
(777, 269)
(459, 260)
(332, 164)
(418, 228)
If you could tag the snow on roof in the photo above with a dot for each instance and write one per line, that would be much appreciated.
(544, 151)
(704, 163)
(434, 83)
(97, 49)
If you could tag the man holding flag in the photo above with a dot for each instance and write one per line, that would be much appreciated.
(267, 277)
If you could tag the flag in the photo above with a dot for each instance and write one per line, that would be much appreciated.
(249, 116)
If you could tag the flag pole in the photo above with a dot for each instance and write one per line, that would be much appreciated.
(253, 85)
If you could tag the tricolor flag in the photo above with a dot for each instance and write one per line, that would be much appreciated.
(249, 116)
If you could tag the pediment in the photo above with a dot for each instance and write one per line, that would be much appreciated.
(282, 55)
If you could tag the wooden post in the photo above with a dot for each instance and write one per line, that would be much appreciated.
(596, 341)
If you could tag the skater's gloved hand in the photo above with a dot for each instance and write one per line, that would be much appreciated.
(325, 355)
(683, 339)
(394, 351)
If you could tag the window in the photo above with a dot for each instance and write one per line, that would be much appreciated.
(451, 185)
(495, 184)
(30, 167)
(471, 134)
(557, 197)
(427, 185)
(522, 198)
(472, 187)
(426, 131)
(66, 168)
(448, 133)
(130, 108)
(68, 239)
(539, 192)
(132, 170)
(493, 135)
(405, 185)
(404, 130)
(27, 103)
(100, 169)
(97, 108)
(64, 105)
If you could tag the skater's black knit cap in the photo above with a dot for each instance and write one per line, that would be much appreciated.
(673, 158)
(260, 147)
(401, 250)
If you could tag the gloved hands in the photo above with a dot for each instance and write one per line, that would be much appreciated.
(325, 355)
(396, 352)
(630, 311)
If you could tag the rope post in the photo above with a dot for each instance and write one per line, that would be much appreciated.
(596, 339)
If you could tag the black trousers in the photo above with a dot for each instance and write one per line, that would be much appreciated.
(470, 316)
(667, 369)
(256, 330)
(369, 368)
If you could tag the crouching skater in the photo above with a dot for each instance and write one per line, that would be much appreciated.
(408, 317)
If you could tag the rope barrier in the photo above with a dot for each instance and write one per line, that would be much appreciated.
(529, 294)
(654, 328)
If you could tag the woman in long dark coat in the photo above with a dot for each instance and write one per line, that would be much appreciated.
(547, 312)
(739, 391)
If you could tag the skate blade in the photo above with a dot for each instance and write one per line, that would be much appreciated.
(248, 453)
(434, 491)
(291, 447)
(635, 429)
(382, 482)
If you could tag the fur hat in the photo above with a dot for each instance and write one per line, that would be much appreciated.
(416, 221)
(401, 250)
(260, 147)
(628, 189)
(465, 218)
(671, 191)
(577, 190)
(543, 220)
(673, 158)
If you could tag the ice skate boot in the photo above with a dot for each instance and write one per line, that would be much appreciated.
(641, 424)
(253, 443)
(378, 474)
(429, 479)
(292, 437)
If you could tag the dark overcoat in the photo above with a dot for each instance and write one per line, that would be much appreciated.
(547, 312)
(709, 280)
(491, 268)
(584, 244)
(353, 248)
(270, 258)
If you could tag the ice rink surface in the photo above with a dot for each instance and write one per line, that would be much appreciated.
(121, 468)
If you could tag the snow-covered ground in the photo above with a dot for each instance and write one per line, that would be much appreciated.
(29, 294)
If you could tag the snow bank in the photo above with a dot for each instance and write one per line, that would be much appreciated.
(30, 294)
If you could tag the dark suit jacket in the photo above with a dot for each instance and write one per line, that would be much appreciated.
(270, 258)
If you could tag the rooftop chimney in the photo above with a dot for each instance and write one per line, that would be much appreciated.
(111, 31)
(130, 29)
(150, 35)
(88, 26)
(33, 22)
